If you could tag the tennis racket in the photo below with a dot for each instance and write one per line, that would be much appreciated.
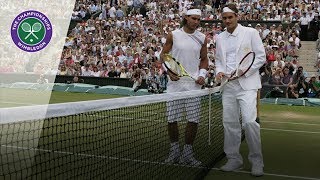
(175, 69)
(243, 67)
(36, 27)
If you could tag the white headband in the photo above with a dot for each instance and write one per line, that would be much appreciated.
(194, 12)
(227, 9)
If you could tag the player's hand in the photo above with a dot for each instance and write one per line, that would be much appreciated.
(219, 76)
(200, 80)
(172, 76)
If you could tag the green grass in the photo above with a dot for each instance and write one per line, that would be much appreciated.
(290, 136)
(61, 97)
(135, 144)
(24, 97)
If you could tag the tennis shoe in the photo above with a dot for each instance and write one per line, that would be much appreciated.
(173, 157)
(231, 166)
(257, 171)
(189, 159)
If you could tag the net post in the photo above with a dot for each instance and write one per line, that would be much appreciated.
(209, 123)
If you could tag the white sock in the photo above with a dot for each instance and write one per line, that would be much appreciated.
(187, 149)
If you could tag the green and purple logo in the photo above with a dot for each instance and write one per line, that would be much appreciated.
(31, 31)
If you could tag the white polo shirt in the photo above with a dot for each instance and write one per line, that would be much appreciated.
(231, 49)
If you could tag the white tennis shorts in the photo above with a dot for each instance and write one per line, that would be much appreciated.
(189, 107)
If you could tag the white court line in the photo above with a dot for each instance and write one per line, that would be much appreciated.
(98, 156)
(276, 175)
(150, 162)
(9, 102)
(267, 129)
(126, 118)
(286, 130)
(143, 112)
(148, 120)
(307, 124)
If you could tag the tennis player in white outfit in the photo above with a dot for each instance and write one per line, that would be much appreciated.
(189, 47)
(241, 94)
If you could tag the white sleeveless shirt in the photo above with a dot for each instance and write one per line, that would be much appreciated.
(186, 49)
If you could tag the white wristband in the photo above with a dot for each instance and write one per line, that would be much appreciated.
(203, 73)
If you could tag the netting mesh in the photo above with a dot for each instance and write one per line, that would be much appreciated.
(116, 142)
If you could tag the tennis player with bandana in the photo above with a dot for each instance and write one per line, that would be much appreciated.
(189, 47)
(240, 94)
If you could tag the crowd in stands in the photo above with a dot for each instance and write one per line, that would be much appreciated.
(126, 39)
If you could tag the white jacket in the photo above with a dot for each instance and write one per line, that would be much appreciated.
(248, 40)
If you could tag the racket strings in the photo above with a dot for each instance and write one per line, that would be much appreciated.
(172, 65)
(26, 27)
(36, 27)
(245, 64)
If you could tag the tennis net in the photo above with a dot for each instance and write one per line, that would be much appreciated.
(122, 138)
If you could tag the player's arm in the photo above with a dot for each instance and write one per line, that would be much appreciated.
(204, 63)
(167, 46)
(258, 48)
(220, 67)
(165, 50)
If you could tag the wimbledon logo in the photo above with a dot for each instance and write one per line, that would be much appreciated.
(31, 31)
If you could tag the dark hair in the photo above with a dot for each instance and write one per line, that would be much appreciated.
(184, 21)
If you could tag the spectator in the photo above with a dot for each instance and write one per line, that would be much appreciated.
(153, 81)
(136, 79)
(123, 73)
(62, 70)
(76, 79)
(292, 92)
(287, 19)
(95, 72)
(287, 77)
(277, 77)
(113, 73)
(298, 75)
(104, 72)
(304, 23)
(313, 88)
(302, 87)
(86, 71)
(143, 10)
(295, 39)
(163, 82)
(314, 27)
(279, 63)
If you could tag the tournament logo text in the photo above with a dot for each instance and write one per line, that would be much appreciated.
(31, 31)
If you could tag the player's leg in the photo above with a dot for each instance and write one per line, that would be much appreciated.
(232, 127)
(174, 112)
(191, 132)
(252, 130)
(193, 117)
